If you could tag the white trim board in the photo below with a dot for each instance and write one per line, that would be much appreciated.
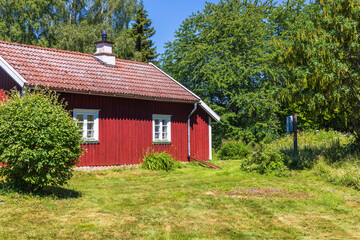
(210, 139)
(12, 73)
(209, 111)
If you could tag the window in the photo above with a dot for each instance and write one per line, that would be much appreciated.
(161, 128)
(89, 121)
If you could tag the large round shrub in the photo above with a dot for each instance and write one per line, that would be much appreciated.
(39, 140)
(234, 150)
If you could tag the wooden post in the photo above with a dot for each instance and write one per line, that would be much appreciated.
(295, 132)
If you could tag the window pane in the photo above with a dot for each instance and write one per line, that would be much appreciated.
(157, 136)
(90, 130)
(157, 129)
(157, 122)
(164, 122)
(164, 129)
(164, 136)
(90, 118)
(90, 134)
(80, 117)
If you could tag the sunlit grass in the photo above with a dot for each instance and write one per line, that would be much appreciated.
(188, 203)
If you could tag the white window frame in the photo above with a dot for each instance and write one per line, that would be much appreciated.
(161, 117)
(86, 113)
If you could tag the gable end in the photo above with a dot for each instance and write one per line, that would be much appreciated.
(12, 73)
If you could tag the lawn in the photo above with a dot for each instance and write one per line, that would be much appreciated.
(188, 203)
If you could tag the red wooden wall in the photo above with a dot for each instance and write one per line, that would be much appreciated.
(199, 137)
(125, 129)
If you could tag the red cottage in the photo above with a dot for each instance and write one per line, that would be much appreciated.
(126, 108)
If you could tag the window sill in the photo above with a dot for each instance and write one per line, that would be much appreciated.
(91, 142)
(161, 142)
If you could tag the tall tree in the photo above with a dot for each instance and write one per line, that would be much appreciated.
(223, 54)
(83, 21)
(142, 32)
(27, 21)
(321, 52)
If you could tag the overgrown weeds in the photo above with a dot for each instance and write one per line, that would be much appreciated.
(344, 174)
(333, 155)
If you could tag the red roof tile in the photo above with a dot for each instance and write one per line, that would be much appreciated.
(59, 69)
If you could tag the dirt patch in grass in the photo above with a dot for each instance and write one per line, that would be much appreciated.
(262, 193)
(353, 204)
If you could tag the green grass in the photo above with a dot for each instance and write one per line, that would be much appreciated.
(187, 203)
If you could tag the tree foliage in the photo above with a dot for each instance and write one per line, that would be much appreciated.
(39, 140)
(223, 54)
(69, 24)
(320, 52)
(141, 32)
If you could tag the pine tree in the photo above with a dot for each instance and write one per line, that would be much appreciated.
(141, 32)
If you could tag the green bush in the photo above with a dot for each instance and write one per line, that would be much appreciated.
(39, 140)
(158, 161)
(234, 150)
(266, 160)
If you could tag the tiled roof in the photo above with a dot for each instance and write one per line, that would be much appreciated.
(58, 69)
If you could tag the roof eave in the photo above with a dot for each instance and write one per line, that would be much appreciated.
(211, 112)
(131, 96)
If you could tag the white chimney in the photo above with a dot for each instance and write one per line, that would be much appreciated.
(104, 51)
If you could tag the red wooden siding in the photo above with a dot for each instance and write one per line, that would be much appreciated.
(6, 84)
(200, 135)
(125, 129)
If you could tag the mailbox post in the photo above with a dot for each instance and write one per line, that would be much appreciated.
(295, 133)
(291, 126)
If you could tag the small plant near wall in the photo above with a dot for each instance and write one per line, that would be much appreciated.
(158, 161)
(39, 140)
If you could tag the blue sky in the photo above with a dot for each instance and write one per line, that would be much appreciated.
(167, 16)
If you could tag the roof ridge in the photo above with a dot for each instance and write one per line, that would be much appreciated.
(45, 48)
(131, 61)
(65, 51)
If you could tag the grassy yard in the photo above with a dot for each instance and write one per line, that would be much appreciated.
(188, 203)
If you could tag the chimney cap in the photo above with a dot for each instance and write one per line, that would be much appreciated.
(104, 38)
(104, 35)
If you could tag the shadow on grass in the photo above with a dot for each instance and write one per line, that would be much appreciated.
(333, 152)
(49, 191)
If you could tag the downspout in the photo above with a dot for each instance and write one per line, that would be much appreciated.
(195, 107)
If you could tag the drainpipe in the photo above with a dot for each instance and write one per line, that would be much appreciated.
(195, 107)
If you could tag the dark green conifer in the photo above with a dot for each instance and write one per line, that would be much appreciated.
(141, 32)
